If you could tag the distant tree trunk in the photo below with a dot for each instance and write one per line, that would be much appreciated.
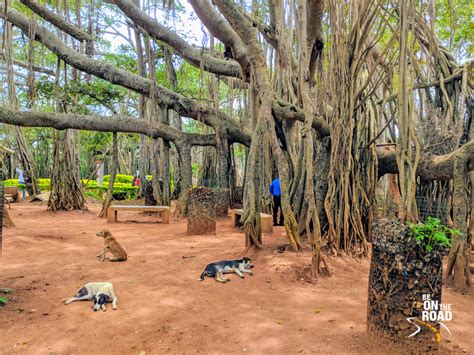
(165, 169)
(28, 163)
(66, 191)
(155, 171)
(113, 174)
(184, 150)
(176, 175)
(208, 168)
(223, 163)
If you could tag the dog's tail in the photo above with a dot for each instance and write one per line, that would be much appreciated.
(201, 278)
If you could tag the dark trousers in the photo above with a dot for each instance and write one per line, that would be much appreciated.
(276, 206)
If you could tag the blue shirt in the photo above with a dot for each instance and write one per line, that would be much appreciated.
(275, 187)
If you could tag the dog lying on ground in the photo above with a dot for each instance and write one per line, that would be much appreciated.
(111, 246)
(217, 270)
(99, 292)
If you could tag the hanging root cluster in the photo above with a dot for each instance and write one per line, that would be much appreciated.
(353, 166)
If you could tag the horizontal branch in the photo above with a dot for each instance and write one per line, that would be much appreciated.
(433, 167)
(452, 77)
(293, 113)
(116, 123)
(57, 21)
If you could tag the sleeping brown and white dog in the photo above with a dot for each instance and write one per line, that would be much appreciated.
(99, 292)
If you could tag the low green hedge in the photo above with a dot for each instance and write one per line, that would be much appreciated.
(119, 187)
(122, 178)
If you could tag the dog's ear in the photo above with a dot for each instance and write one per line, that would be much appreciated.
(103, 299)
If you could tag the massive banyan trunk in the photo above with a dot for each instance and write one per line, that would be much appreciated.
(353, 166)
(66, 191)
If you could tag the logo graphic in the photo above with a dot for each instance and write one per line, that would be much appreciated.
(434, 312)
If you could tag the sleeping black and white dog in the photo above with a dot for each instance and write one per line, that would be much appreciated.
(99, 292)
(218, 269)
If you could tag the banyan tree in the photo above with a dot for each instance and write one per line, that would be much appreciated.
(337, 98)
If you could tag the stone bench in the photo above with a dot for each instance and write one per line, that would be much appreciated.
(266, 220)
(12, 193)
(112, 212)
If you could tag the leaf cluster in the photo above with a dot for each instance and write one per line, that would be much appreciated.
(432, 235)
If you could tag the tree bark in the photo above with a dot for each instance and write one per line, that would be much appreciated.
(113, 173)
(57, 21)
(457, 271)
(186, 181)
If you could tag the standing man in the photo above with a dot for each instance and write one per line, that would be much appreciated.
(21, 180)
(276, 194)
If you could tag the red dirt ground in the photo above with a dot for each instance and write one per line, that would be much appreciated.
(161, 306)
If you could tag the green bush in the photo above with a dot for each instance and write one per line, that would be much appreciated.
(124, 179)
(432, 234)
(43, 184)
(92, 188)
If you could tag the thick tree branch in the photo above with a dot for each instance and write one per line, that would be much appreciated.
(57, 21)
(293, 113)
(187, 52)
(116, 123)
(222, 31)
(435, 167)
